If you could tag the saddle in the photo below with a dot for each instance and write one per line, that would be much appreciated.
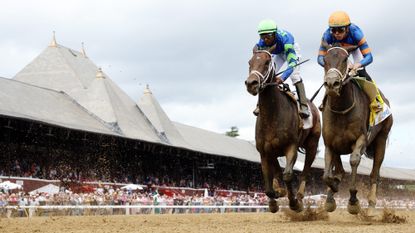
(306, 123)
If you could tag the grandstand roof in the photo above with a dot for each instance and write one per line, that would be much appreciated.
(26, 101)
(69, 71)
(64, 87)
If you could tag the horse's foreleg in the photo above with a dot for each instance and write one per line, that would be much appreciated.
(268, 166)
(291, 156)
(358, 148)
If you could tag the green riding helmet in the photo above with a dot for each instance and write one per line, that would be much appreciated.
(267, 26)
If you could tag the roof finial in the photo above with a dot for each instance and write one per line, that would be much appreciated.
(100, 74)
(53, 42)
(147, 89)
(83, 50)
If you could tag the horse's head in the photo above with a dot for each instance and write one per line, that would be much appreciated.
(261, 71)
(335, 67)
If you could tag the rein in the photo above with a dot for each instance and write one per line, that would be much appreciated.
(346, 110)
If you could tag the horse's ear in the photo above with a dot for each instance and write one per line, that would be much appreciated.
(255, 49)
(350, 48)
(325, 45)
(272, 48)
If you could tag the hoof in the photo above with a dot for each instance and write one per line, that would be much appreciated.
(372, 204)
(330, 205)
(353, 209)
(371, 211)
(300, 206)
(273, 206)
(297, 205)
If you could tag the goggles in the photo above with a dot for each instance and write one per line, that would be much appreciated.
(337, 29)
(266, 36)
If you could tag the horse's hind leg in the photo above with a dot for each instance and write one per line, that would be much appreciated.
(332, 160)
(310, 155)
(380, 144)
(291, 156)
(330, 204)
(268, 165)
(353, 207)
(278, 183)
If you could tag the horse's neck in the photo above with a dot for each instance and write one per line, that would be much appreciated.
(273, 103)
(345, 100)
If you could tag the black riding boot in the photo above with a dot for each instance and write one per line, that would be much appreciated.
(363, 73)
(304, 112)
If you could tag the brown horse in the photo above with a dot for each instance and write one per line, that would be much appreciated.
(345, 129)
(278, 132)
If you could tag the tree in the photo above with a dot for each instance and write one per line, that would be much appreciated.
(234, 132)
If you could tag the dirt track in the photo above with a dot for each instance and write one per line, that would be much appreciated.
(339, 221)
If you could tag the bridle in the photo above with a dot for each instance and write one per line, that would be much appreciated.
(337, 71)
(263, 78)
(343, 77)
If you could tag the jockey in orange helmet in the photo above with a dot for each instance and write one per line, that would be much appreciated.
(342, 31)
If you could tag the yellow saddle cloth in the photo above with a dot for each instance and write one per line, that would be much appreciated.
(379, 110)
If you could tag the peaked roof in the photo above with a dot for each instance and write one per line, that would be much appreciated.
(63, 69)
(166, 130)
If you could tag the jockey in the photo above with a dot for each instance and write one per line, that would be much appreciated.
(342, 31)
(286, 51)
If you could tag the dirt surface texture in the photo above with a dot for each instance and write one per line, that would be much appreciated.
(283, 221)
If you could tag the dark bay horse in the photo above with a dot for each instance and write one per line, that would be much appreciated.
(345, 129)
(278, 132)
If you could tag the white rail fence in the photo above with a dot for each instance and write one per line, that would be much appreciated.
(80, 210)
(88, 210)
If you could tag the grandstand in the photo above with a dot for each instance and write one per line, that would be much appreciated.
(63, 118)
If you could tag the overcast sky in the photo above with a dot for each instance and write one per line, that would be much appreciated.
(194, 54)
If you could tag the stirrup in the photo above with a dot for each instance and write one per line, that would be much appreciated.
(376, 106)
(256, 111)
(304, 112)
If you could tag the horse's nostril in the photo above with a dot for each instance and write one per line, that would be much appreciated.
(251, 82)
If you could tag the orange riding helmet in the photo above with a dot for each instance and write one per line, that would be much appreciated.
(339, 19)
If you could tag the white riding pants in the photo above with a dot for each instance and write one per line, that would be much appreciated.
(280, 59)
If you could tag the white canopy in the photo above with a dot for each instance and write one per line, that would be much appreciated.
(9, 185)
(132, 187)
(49, 188)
